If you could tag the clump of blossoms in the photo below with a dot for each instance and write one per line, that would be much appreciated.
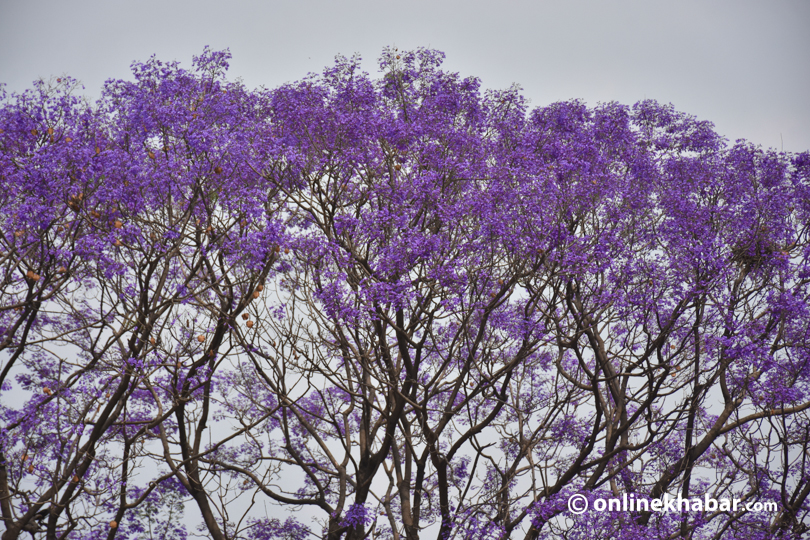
(395, 307)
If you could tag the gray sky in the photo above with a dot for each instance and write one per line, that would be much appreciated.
(741, 64)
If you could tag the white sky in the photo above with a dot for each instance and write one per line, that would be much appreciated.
(742, 64)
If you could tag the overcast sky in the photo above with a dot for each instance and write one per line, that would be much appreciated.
(743, 65)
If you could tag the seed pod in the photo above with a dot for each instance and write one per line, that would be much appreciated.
(201, 338)
(118, 224)
(286, 250)
(278, 249)
(218, 169)
(397, 167)
(75, 479)
(68, 139)
(50, 131)
(34, 132)
(256, 294)
(47, 391)
(151, 155)
(249, 324)
(152, 340)
(165, 148)
(98, 150)
(260, 288)
(245, 316)
(30, 468)
(113, 524)
(117, 243)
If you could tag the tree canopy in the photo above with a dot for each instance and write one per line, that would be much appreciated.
(393, 308)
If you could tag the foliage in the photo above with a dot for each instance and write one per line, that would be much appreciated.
(393, 308)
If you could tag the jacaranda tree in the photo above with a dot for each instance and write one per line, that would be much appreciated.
(393, 308)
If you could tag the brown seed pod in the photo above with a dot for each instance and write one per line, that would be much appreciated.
(398, 57)
(117, 243)
(245, 316)
(152, 340)
(218, 169)
(75, 479)
(47, 391)
(98, 150)
(201, 338)
(256, 294)
(113, 524)
(278, 249)
(165, 148)
(260, 287)
(68, 139)
(286, 250)
(30, 468)
(118, 224)
(34, 132)
(50, 131)
(397, 167)
(151, 155)
(249, 324)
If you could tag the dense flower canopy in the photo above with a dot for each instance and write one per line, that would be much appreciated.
(393, 308)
